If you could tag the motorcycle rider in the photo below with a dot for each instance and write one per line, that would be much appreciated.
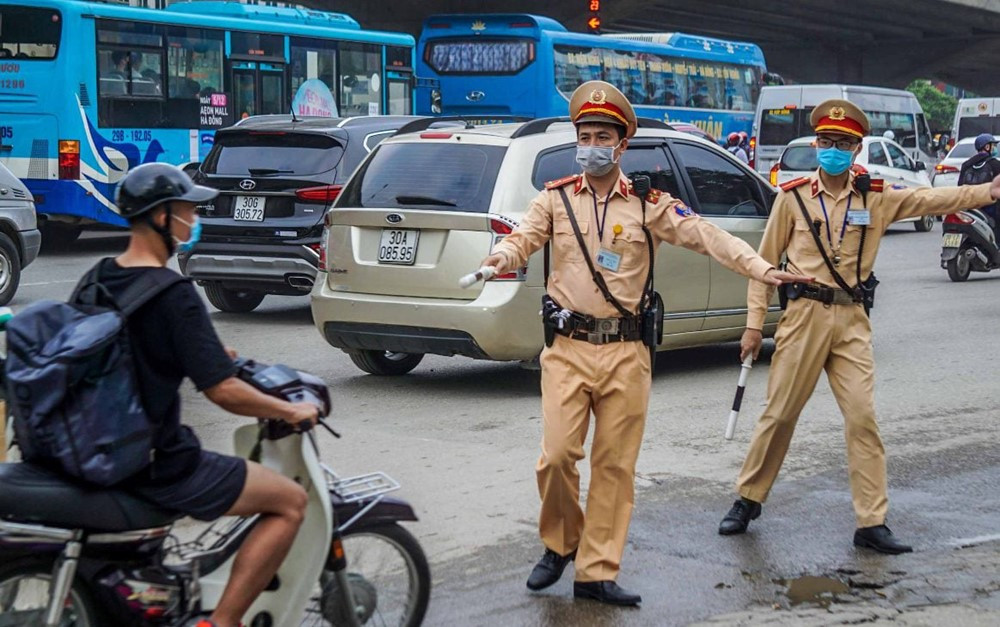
(983, 167)
(172, 338)
(733, 146)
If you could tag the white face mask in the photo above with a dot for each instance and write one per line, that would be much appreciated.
(596, 160)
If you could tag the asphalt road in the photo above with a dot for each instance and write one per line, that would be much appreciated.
(462, 438)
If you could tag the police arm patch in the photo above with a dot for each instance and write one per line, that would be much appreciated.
(683, 210)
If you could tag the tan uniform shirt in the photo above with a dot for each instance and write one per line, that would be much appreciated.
(787, 231)
(668, 220)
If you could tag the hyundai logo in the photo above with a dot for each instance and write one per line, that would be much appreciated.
(247, 185)
(394, 218)
(475, 96)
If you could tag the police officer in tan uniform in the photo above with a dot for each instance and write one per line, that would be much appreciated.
(825, 325)
(597, 362)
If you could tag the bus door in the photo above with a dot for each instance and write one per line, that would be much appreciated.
(399, 93)
(258, 88)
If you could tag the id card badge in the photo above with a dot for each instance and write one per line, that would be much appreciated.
(609, 259)
(859, 217)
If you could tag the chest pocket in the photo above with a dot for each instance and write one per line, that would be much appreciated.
(852, 240)
(564, 244)
(631, 243)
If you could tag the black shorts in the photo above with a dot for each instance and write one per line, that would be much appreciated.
(206, 493)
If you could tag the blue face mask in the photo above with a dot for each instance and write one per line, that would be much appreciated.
(188, 244)
(833, 160)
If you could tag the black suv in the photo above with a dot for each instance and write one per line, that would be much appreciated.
(277, 176)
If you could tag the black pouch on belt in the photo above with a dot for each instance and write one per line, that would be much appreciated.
(867, 289)
(652, 322)
(790, 291)
(549, 309)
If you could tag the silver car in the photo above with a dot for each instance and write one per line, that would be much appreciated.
(429, 203)
(19, 236)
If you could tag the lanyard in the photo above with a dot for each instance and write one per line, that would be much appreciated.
(843, 229)
(601, 219)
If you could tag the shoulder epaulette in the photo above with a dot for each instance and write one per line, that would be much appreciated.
(792, 184)
(858, 169)
(560, 182)
(653, 196)
(877, 185)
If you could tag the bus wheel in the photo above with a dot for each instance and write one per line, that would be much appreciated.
(57, 237)
(10, 269)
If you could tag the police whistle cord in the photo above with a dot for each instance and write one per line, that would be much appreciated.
(734, 413)
(483, 274)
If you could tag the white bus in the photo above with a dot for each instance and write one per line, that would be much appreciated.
(783, 114)
(976, 115)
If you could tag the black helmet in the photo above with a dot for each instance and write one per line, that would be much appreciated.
(147, 186)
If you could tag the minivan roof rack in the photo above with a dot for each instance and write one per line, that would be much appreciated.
(470, 122)
(541, 125)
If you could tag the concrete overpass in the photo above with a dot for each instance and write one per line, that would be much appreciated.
(875, 42)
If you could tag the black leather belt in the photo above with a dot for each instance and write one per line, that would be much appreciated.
(606, 330)
(828, 295)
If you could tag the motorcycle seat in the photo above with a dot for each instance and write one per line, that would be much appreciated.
(33, 494)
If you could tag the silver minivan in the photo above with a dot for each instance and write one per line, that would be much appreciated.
(429, 203)
(19, 236)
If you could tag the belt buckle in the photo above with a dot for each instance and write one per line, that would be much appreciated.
(606, 326)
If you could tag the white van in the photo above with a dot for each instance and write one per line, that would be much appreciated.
(976, 115)
(783, 115)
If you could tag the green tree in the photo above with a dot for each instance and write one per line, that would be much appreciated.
(938, 107)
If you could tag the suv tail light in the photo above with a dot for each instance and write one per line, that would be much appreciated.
(944, 169)
(773, 177)
(501, 228)
(957, 218)
(321, 247)
(753, 152)
(322, 194)
(69, 159)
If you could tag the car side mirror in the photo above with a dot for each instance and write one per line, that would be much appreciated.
(920, 165)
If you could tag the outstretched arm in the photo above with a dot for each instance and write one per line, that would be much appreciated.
(532, 233)
(921, 201)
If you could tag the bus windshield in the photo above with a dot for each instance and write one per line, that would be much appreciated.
(780, 126)
(478, 56)
(29, 33)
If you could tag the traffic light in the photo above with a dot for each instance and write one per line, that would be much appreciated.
(594, 23)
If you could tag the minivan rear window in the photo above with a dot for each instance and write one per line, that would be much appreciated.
(780, 126)
(970, 127)
(272, 154)
(802, 158)
(438, 176)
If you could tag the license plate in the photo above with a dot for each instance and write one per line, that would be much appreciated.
(249, 208)
(951, 240)
(398, 246)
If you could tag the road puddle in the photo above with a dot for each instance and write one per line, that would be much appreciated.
(811, 589)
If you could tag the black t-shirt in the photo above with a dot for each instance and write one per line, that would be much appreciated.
(172, 338)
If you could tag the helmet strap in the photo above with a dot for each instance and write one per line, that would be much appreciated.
(164, 231)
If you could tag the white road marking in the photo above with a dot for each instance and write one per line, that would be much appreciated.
(48, 283)
(973, 541)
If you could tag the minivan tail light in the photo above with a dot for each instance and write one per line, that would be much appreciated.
(945, 169)
(774, 173)
(69, 159)
(323, 193)
(501, 228)
(752, 157)
(957, 218)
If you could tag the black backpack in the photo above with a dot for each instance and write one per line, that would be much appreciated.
(977, 175)
(71, 380)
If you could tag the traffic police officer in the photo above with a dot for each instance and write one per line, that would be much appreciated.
(589, 367)
(826, 327)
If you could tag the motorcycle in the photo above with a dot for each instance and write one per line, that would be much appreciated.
(72, 555)
(969, 244)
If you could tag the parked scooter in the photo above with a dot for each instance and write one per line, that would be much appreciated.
(969, 244)
(72, 555)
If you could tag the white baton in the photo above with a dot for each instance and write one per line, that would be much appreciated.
(483, 274)
(734, 413)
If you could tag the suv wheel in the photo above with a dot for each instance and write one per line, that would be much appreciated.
(232, 301)
(10, 269)
(924, 224)
(385, 362)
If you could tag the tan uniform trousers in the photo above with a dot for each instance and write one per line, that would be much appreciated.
(812, 337)
(612, 380)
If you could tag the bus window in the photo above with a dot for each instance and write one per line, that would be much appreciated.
(135, 73)
(313, 59)
(194, 62)
(901, 125)
(480, 56)
(361, 79)
(575, 66)
(29, 33)
(924, 140)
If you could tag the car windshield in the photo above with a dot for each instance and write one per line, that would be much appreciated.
(272, 154)
(426, 175)
(799, 158)
(962, 151)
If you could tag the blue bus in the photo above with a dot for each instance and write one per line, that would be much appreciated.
(482, 65)
(89, 90)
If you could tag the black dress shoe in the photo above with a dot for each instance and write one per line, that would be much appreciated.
(739, 516)
(880, 539)
(606, 592)
(549, 569)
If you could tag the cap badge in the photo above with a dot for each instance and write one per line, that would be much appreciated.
(837, 113)
(598, 96)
